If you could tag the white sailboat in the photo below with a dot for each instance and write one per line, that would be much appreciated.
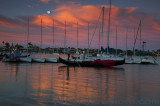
(26, 59)
(136, 59)
(52, 60)
(108, 56)
(128, 60)
(147, 59)
(39, 60)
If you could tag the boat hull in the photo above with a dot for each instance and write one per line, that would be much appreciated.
(38, 60)
(96, 63)
(51, 60)
(28, 60)
(149, 61)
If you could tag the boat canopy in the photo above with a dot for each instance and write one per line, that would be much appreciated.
(144, 53)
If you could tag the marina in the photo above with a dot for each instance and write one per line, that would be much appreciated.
(79, 52)
(58, 84)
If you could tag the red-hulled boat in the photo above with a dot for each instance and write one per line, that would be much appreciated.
(89, 63)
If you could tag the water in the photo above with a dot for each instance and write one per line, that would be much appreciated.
(57, 84)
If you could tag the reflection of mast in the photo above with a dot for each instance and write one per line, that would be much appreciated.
(52, 79)
(39, 89)
(63, 85)
(26, 82)
(16, 71)
(67, 72)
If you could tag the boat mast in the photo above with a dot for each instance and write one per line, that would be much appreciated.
(99, 44)
(137, 35)
(88, 38)
(116, 40)
(53, 32)
(102, 25)
(134, 40)
(109, 27)
(28, 36)
(77, 37)
(140, 37)
(65, 39)
(41, 33)
(28, 33)
(126, 42)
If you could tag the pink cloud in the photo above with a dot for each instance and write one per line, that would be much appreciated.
(84, 14)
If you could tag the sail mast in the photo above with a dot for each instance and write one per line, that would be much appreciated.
(77, 37)
(41, 33)
(88, 38)
(102, 25)
(99, 44)
(134, 40)
(28, 35)
(109, 27)
(140, 37)
(53, 32)
(65, 39)
(126, 42)
(116, 40)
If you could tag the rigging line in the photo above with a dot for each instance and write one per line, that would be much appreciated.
(136, 36)
(95, 29)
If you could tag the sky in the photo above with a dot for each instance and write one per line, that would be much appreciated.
(125, 17)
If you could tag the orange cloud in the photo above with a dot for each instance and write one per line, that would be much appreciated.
(84, 14)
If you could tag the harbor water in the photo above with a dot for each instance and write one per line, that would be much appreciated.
(57, 84)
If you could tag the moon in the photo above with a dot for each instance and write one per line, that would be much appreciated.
(48, 12)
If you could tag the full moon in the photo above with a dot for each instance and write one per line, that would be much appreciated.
(48, 12)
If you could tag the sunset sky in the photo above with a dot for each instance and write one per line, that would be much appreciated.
(125, 14)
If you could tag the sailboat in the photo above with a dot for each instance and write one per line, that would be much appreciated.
(52, 60)
(77, 54)
(26, 59)
(137, 60)
(99, 61)
(128, 60)
(147, 59)
(107, 56)
(39, 60)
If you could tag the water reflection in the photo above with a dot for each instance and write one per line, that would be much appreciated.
(93, 83)
(47, 84)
